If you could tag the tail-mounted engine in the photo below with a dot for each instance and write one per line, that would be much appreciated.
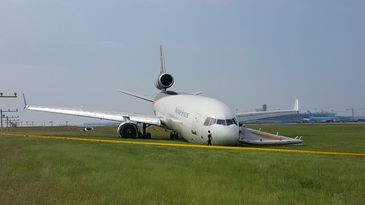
(164, 81)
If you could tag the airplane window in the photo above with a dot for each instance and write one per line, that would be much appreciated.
(230, 122)
(207, 121)
(221, 122)
(212, 121)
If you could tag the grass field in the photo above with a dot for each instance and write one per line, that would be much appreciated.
(39, 171)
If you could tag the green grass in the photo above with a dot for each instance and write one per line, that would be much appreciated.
(98, 132)
(38, 171)
(323, 137)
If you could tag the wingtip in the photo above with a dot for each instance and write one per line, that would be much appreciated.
(296, 105)
(25, 102)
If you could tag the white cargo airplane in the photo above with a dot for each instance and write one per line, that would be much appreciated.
(188, 115)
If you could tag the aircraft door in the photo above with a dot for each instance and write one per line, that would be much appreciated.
(195, 125)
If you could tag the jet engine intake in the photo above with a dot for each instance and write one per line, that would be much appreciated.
(164, 81)
(128, 130)
(87, 129)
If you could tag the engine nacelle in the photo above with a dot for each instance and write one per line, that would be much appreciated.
(128, 130)
(164, 81)
(87, 129)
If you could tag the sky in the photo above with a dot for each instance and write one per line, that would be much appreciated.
(78, 53)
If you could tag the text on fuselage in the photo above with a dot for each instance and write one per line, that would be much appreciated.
(182, 113)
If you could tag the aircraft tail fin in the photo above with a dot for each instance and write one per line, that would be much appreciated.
(162, 59)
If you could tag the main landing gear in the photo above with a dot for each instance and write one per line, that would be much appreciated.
(174, 136)
(145, 134)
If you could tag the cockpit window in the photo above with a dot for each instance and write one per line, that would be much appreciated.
(206, 122)
(230, 122)
(225, 122)
(234, 121)
(210, 121)
(221, 122)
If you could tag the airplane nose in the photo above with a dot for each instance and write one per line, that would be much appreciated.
(228, 135)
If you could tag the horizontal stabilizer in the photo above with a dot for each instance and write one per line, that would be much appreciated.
(150, 99)
(190, 93)
(197, 93)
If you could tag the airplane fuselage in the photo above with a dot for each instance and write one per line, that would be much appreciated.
(192, 116)
(198, 119)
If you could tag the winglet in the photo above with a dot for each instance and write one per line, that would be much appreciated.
(296, 105)
(25, 102)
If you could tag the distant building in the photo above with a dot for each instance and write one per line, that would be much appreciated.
(263, 108)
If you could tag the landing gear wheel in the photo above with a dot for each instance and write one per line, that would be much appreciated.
(174, 136)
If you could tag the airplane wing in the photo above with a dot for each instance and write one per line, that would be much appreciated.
(151, 120)
(258, 137)
(249, 116)
(119, 117)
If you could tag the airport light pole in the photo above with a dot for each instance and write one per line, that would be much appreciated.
(352, 113)
(10, 121)
(2, 115)
(14, 123)
(8, 96)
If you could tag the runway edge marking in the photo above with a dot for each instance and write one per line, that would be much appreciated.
(185, 145)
